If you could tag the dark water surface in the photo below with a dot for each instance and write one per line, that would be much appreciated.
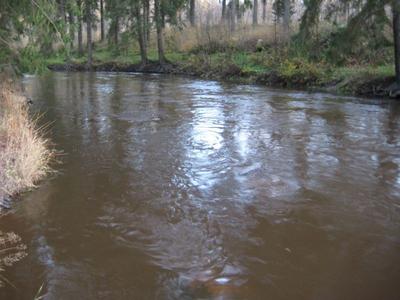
(177, 188)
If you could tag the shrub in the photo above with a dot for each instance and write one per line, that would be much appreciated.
(299, 71)
(31, 61)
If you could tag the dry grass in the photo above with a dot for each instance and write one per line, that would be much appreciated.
(12, 250)
(244, 38)
(24, 159)
(24, 153)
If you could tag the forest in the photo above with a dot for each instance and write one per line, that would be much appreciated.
(342, 46)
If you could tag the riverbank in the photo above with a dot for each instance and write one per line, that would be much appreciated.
(24, 152)
(252, 68)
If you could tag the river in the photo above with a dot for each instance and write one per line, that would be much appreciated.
(180, 188)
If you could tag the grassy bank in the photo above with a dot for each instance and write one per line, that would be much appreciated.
(270, 67)
(24, 153)
(24, 159)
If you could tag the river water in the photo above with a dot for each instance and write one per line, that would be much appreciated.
(179, 188)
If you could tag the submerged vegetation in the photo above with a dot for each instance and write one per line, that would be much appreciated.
(12, 250)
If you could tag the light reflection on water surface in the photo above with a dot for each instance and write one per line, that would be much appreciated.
(175, 188)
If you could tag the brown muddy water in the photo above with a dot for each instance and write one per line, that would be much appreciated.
(178, 188)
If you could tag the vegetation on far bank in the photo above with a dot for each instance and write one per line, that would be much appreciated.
(250, 58)
(342, 46)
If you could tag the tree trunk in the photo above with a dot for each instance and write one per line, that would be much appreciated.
(89, 34)
(62, 10)
(79, 20)
(223, 17)
(264, 10)
(396, 38)
(146, 21)
(255, 12)
(80, 47)
(101, 20)
(286, 20)
(71, 28)
(141, 32)
(192, 12)
(159, 29)
(116, 30)
(239, 14)
(233, 15)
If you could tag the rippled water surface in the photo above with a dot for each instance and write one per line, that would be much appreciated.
(177, 188)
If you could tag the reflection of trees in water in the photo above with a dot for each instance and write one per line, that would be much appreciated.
(220, 191)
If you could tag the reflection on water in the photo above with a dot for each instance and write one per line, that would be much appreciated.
(175, 188)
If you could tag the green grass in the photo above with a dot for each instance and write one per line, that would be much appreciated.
(351, 80)
(383, 71)
(248, 66)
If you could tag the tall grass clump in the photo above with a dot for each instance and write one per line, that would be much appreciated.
(24, 152)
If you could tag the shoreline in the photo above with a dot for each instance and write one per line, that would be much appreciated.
(368, 88)
(25, 152)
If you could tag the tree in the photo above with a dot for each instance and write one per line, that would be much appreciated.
(158, 19)
(286, 19)
(223, 16)
(192, 12)
(146, 20)
(115, 10)
(79, 20)
(80, 38)
(232, 15)
(264, 10)
(255, 12)
(141, 30)
(10, 22)
(101, 20)
(310, 18)
(115, 28)
(61, 7)
(71, 23)
(396, 38)
(88, 18)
